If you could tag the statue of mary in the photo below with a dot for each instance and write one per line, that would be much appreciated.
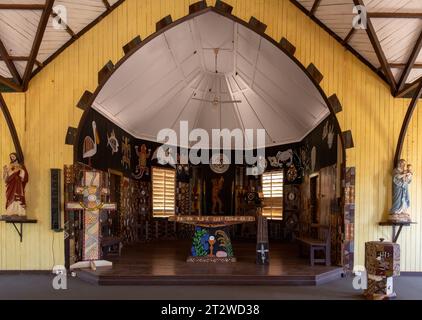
(402, 177)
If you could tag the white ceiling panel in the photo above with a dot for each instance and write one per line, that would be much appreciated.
(336, 15)
(397, 37)
(393, 5)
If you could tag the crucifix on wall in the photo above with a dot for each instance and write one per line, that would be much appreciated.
(93, 193)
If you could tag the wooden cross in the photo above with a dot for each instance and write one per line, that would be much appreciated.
(92, 205)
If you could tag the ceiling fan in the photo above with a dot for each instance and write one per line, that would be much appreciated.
(216, 102)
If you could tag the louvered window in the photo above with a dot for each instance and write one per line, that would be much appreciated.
(272, 188)
(163, 192)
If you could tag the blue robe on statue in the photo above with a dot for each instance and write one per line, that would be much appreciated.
(401, 199)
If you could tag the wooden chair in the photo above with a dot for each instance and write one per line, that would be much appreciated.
(322, 242)
(112, 246)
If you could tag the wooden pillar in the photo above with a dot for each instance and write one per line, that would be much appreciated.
(12, 129)
(406, 122)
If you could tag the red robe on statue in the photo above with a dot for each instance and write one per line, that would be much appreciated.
(15, 186)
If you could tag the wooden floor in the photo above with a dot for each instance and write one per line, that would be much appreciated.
(164, 263)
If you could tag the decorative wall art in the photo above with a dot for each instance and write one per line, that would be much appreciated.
(115, 153)
(112, 142)
(142, 167)
(182, 198)
(129, 210)
(349, 219)
(328, 134)
(217, 203)
(145, 199)
(90, 143)
(126, 153)
(319, 148)
(219, 163)
(287, 158)
(211, 242)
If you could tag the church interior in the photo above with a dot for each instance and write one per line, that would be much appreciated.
(262, 144)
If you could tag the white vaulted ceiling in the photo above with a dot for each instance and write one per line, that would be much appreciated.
(176, 76)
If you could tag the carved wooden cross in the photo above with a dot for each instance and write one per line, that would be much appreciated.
(92, 205)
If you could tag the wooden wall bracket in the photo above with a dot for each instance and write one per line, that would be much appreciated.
(19, 221)
(395, 233)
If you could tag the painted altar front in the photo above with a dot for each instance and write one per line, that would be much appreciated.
(211, 241)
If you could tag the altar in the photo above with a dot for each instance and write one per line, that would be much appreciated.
(211, 241)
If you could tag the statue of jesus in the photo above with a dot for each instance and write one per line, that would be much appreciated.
(15, 176)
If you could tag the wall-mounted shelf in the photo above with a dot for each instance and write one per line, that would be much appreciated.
(394, 225)
(18, 221)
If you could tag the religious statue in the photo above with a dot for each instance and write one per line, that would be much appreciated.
(15, 176)
(402, 177)
(217, 186)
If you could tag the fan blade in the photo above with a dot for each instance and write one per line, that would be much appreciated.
(203, 100)
(233, 101)
(217, 102)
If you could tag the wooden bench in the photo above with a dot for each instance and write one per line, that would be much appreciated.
(111, 245)
(319, 241)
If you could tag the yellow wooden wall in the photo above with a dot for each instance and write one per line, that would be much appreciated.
(45, 111)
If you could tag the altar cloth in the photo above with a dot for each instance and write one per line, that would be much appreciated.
(212, 221)
(211, 241)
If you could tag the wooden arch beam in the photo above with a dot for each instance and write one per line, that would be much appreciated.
(410, 63)
(37, 42)
(12, 129)
(372, 35)
(406, 122)
(314, 7)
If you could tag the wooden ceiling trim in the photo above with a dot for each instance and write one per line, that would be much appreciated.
(370, 30)
(9, 63)
(349, 36)
(20, 58)
(107, 4)
(314, 7)
(407, 90)
(16, 6)
(403, 65)
(37, 42)
(410, 63)
(398, 15)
